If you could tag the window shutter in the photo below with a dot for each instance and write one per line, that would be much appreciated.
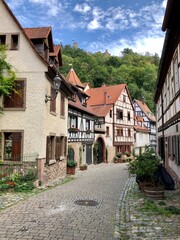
(62, 105)
(16, 146)
(53, 103)
(65, 146)
(58, 148)
(48, 149)
(16, 98)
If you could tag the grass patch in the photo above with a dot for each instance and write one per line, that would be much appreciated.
(158, 208)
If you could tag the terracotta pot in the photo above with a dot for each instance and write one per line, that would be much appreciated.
(82, 168)
(70, 170)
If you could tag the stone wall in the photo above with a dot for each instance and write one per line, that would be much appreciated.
(111, 153)
(48, 173)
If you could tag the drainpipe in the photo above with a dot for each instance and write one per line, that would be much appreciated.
(162, 112)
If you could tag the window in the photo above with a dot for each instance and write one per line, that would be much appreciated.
(119, 114)
(107, 131)
(110, 113)
(56, 148)
(2, 39)
(129, 132)
(175, 73)
(14, 42)
(87, 124)
(120, 132)
(129, 116)
(124, 98)
(62, 105)
(73, 122)
(53, 103)
(16, 99)
(12, 146)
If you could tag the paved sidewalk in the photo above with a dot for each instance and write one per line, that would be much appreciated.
(132, 223)
(53, 214)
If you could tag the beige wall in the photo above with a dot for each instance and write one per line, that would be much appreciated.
(35, 120)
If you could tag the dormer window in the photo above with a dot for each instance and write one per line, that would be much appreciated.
(2, 39)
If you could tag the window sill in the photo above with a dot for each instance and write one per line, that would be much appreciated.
(14, 109)
(62, 158)
(53, 113)
(63, 117)
(52, 161)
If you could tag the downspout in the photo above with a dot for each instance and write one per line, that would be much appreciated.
(162, 112)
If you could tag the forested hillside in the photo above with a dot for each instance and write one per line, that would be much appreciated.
(138, 71)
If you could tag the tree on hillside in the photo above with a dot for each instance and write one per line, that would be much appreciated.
(136, 70)
(7, 75)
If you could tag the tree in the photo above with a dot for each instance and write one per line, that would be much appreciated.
(7, 75)
(138, 71)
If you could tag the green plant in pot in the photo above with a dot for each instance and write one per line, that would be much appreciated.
(145, 167)
(71, 165)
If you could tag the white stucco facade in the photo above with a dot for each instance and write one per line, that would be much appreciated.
(34, 120)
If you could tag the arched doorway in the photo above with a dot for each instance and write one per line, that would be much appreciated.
(101, 157)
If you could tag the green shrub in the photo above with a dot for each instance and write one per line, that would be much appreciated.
(31, 175)
(119, 154)
(71, 163)
(24, 187)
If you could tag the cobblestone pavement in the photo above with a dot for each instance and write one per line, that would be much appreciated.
(53, 214)
(132, 223)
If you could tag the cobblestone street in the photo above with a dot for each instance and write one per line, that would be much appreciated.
(53, 214)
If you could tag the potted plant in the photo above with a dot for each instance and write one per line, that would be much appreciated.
(115, 159)
(83, 167)
(71, 165)
(119, 155)
(145, 167)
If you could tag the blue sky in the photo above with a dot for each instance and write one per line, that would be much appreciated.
(97, 25)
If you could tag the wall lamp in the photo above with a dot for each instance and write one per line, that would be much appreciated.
(56, 85)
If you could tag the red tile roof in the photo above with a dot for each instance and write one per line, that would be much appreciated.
(78, 105)
(73, 79)
(146, 110)
(105, 94)
(102, 111)
(56, 51)
(141, 129)
(39, 32)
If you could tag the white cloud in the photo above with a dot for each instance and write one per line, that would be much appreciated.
(82, 8)
(53, 6)
(164, 3)
(94, 24)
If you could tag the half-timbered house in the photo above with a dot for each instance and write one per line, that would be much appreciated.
(33, 124)
(149, 120)
(167, 95)
(80, 123)
(141, 136)
(114, 127)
